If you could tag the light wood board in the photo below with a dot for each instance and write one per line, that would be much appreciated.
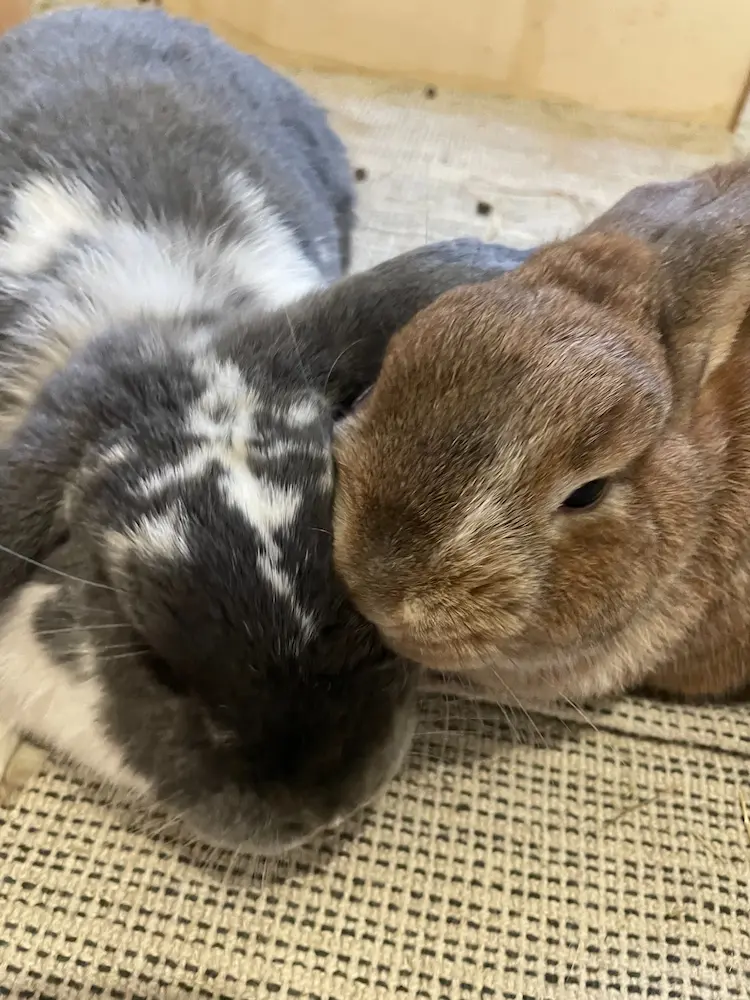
(679, 60)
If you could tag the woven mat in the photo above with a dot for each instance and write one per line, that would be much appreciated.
(514, 859)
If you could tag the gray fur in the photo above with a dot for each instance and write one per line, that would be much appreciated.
(152, 112)
(342, 333)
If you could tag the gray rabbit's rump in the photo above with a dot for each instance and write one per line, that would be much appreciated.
(176, 341)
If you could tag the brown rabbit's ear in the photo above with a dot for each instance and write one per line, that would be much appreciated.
(700, 228)
(612, 269)
(648, 211)
(705, 264)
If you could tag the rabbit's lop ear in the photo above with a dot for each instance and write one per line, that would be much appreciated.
(30, 496)
(347, 328)
(610, 269)
(648, 211)
(36, 464)
(705, 265)
(699, 229)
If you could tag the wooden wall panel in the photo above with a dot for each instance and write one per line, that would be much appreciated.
(682, 60)
(12, 12)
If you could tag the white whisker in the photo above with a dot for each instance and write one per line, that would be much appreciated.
(57, 572)
(121, 656)
(81, 628)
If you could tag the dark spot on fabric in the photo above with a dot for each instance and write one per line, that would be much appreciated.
(484, 208)
(360, 174)
(430, 92)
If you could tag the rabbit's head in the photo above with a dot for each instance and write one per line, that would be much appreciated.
(190, 639)
(198, 648)
(539, 457)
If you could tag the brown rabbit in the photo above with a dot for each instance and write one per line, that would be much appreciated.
(547, 491)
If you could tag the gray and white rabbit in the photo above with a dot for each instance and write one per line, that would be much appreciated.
(176, 341)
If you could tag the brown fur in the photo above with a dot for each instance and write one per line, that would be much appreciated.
(622, 352)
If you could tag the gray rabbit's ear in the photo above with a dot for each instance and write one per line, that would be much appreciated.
(338, 337)
(32, 484)
(353, 322)
(37, 461)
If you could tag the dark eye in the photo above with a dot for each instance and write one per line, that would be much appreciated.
(164, 674)
(587, 495)
(350, 405)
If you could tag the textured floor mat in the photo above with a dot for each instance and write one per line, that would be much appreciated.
(607, 855)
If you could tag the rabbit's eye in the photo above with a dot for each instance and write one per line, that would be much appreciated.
(586, 496)
(350, 405)
(164, 674)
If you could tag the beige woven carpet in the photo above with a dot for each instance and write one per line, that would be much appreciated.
(536, 860)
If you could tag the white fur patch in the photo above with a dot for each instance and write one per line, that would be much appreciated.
(223, 420)
(267, 507)
(271, 262)
(52, 704)
(224, 381)
(225, 413)
(193, 466)
(118, 454)
(160, 536)
(46, 214)
(303, 413)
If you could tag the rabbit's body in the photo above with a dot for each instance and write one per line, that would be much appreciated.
(155, 186)
(561, 511)
(171, 217)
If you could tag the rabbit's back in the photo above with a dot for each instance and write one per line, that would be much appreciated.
(156, 111)
(149, 170)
